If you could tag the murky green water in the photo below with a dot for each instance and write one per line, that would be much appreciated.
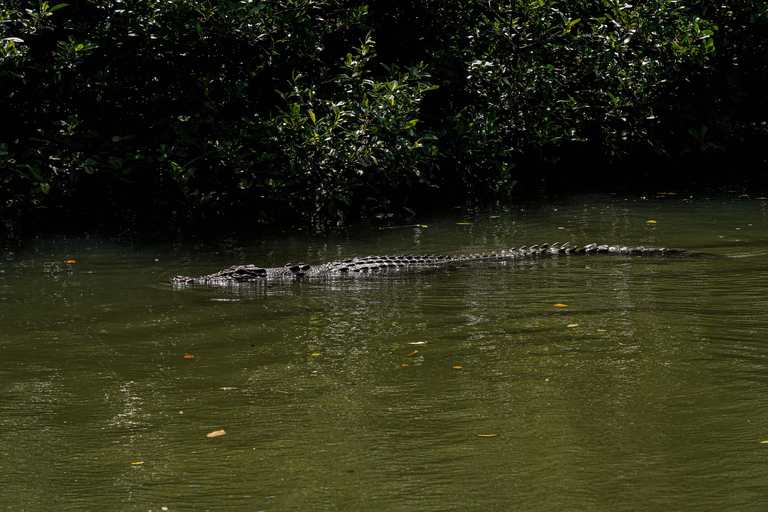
(369, 394)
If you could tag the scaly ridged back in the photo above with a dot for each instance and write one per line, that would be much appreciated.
(381, 264)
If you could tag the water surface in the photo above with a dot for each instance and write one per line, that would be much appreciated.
(648, 390)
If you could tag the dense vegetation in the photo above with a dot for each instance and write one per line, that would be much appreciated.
(290, 109)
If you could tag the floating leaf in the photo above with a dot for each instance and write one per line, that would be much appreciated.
(139, 463)
(763, 442)
(279, 391)
(464, 223)
(458, 367)
(486, 435)
(417, 342)
(572, 325)
(405, 364)
(601, 330)
(561, 305)
(316, 354)
(495, 216)
(70, 261)
(188, 356)
(216, 433)
(414, 352)
(651, 222)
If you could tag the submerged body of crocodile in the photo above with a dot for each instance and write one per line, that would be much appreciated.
(383, 264)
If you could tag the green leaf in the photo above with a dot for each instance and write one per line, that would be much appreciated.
(34, 172)
(57, 7)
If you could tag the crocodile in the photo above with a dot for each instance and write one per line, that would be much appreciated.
(386, 264)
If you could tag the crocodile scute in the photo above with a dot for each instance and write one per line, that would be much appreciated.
(398, 263)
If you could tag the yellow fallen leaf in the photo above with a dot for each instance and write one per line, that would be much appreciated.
(561, 305)
(188, 356)
(572, 325)
(316, 354)
(216, 433)
(763, 442)
(137, 463)
(651, 222)
(458, 367)
(601, 330)
(464, 223)
(486, 435)
(406, 364)
(414, 352)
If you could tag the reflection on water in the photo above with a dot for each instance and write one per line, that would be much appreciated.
(646, 391)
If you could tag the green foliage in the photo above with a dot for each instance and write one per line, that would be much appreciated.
(347, 139)
(339, 140)
(290, 110)
(541, 73)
